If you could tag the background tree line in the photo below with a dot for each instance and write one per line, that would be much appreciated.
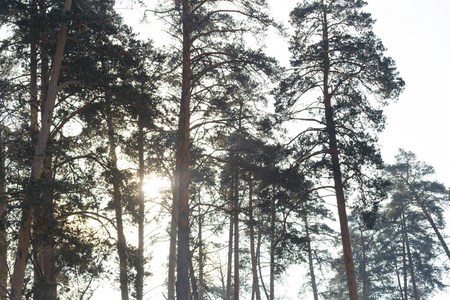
(253, 151)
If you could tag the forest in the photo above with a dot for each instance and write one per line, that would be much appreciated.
(207, 156)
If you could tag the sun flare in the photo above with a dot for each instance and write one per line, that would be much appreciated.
(154, 186)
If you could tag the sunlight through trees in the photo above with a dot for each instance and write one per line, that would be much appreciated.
(193, 165)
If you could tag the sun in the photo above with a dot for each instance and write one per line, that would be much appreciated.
(154, 186)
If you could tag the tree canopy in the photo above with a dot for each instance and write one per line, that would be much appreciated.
(250, 154)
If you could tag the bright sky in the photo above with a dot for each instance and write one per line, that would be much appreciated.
(417, 35)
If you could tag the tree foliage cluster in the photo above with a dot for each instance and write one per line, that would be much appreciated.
(253, 153)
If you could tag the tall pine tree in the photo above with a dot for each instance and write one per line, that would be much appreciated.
(337, 58)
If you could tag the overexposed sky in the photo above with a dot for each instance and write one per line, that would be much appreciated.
(417, 35)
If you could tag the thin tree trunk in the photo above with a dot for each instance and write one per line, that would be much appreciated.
(173, 238)
(222, 280)
(34, 127)
(397, 272)
(272, 250)
(405, 271)
(200, 254)
(230, 258)
(363, 262)
(433, 225)
(336, 168)
(194, 294)
(3, 235)
(23, 242)
(183, 155)
(44, 65)
(117, 200)
(258, 257)
(255, 285)
(408, 251)
(141, 214)
(310, 257)
(34, 102)
(237, 208)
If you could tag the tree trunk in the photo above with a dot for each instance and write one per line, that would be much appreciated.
(3, 236)
(364, 273)
(141, 213)
(173, 238)
(433, 225)
(43, 216)
(117, 200)
(200, 254)
(23, 242)
(183, 145)
(408, 251)
(310, 257)
(336, 168)
(255, 285)
(405, 271)
(230, 258)
(43, 50)
(397, 272)
(272, 250)
(222, 280)
(194, 294)
(236, 208)
(43, 220)
(258, 257)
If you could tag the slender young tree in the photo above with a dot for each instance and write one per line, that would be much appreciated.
(336, 57)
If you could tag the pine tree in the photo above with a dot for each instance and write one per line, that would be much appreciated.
(409, 177)
(37, 165)
(336, 57)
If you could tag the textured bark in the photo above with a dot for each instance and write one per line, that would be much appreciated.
(141, 214)
(255, 285)
(336, 168)
(23, 242)
(183, 149)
